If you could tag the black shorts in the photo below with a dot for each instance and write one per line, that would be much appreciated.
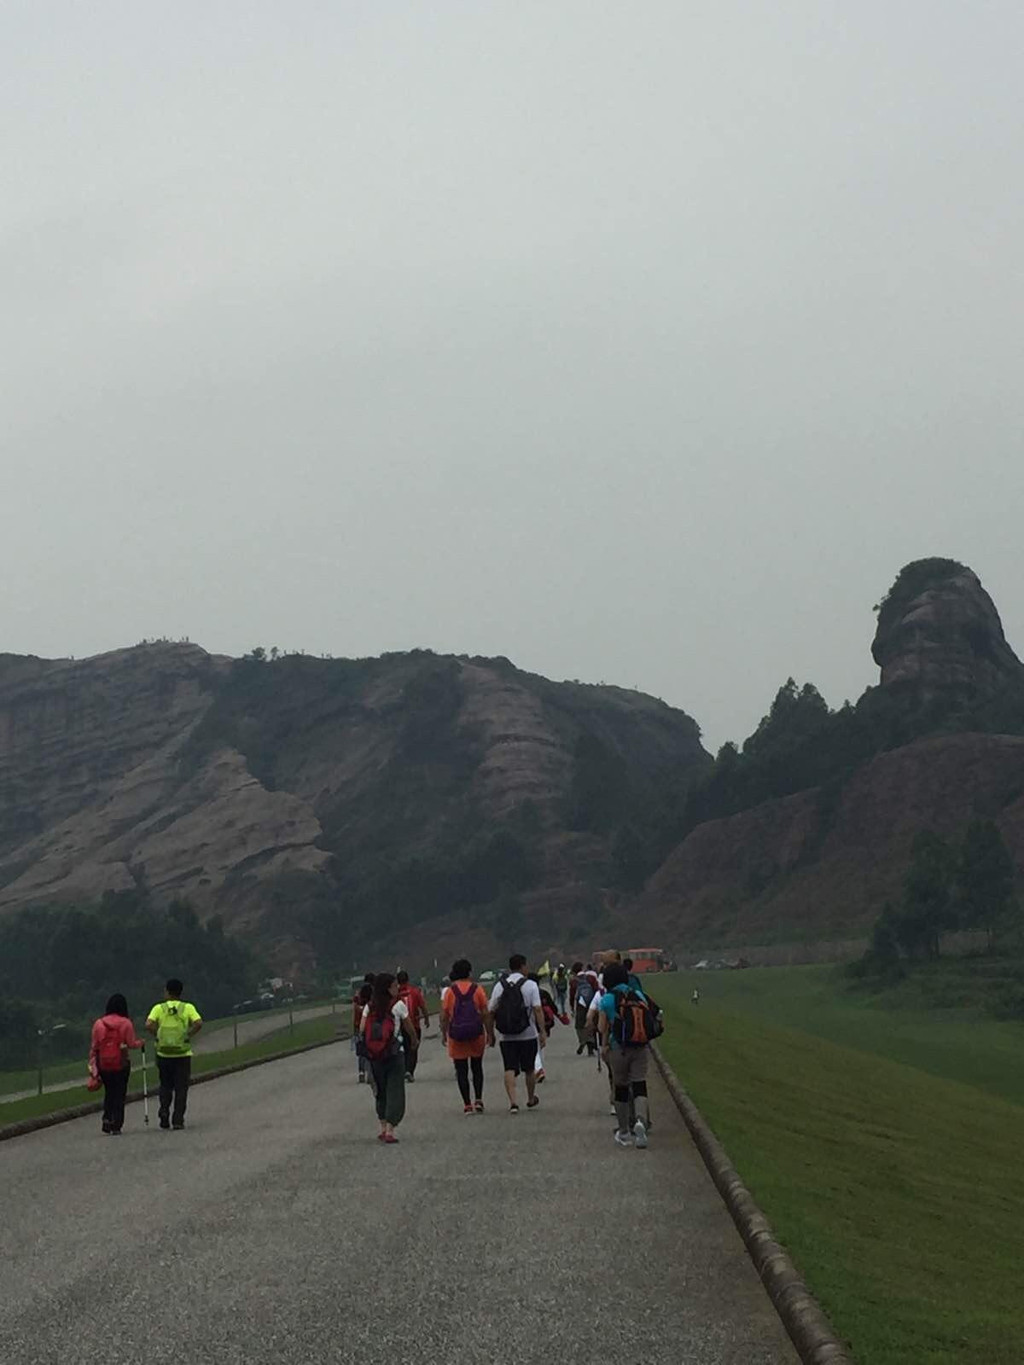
(519, 1055)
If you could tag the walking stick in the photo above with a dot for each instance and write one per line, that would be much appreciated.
(145, 1089)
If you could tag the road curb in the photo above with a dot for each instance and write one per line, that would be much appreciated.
(79, 1111)
(802, 1316)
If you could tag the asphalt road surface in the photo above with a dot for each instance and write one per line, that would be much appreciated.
(276, 1229)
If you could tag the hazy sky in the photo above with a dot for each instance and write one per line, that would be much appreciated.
(641, 342)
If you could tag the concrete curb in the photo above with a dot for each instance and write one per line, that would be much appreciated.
(78, 1111)
(810, 1330)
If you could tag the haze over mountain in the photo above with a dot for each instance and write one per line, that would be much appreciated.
(628, 341)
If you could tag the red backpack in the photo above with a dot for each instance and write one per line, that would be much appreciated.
(109, 1056)
(379, 1041)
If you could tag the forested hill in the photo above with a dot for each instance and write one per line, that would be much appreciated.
(806, 829)
(325, 807)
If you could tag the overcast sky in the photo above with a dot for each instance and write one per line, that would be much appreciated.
(641, 342)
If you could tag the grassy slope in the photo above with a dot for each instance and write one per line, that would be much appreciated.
(896, 1191)
(307, 1031)
(961, 1044)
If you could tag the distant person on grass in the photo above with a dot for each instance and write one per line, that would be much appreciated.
(519, 1019)
(174, 1023)
(113, 1034)
(466, 1029)
(384, 1024)
(419, 1017)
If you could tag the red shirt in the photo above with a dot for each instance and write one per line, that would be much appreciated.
(415, 1003)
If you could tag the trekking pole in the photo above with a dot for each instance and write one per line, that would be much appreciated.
(145, 1089)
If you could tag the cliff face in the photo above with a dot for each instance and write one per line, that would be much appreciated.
(280, 792)
(939, 630)
(939, 742)
(821, 864)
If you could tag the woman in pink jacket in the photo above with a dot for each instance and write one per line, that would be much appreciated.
(112, 1035)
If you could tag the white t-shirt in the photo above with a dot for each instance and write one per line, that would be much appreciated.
(399, 1011)
(531, 999)
(595, 1004)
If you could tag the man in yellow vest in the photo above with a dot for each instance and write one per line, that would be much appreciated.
(174, 1023)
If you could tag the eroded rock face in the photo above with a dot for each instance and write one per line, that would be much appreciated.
(246, 786)
(946, 636)
(825, 869)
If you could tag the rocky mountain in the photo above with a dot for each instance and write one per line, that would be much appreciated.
(324, 805)
(939, 631)
(938, 742)
(420, 805)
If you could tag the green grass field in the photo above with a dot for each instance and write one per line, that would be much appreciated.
(306, 1031)
(882, 1142)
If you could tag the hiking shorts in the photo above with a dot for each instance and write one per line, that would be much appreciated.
(519, 1055)
(628, 1064)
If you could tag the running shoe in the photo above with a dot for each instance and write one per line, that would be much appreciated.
(390, 1139)
(513, 1109)
(479, 1106)
(639, 1134)
(623, 1139)
(468, 1109)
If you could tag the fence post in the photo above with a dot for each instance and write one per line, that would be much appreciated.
(291, 1017)
(236, 1032)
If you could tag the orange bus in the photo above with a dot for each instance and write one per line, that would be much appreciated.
(648, 960)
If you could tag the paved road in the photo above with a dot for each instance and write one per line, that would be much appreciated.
(277, 1229)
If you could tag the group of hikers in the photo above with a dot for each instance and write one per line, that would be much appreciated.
(173, 1022)
(613, 1015)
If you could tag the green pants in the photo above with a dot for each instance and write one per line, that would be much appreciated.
(389, 1078)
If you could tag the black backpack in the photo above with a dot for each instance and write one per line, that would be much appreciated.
(511, 1016)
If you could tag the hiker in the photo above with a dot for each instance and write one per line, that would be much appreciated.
(634, 980)
(416, 1004)
(466, 1029)
(519, 1019)
(385, 1023)
(547, 1005)
(586, 993)
(359, 1002)
(560, 984)
(627, 1025)
(113, 1034)
(174, 1023)
(574, 978)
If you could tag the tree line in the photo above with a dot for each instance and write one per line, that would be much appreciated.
(58, 965)
(968, 884)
